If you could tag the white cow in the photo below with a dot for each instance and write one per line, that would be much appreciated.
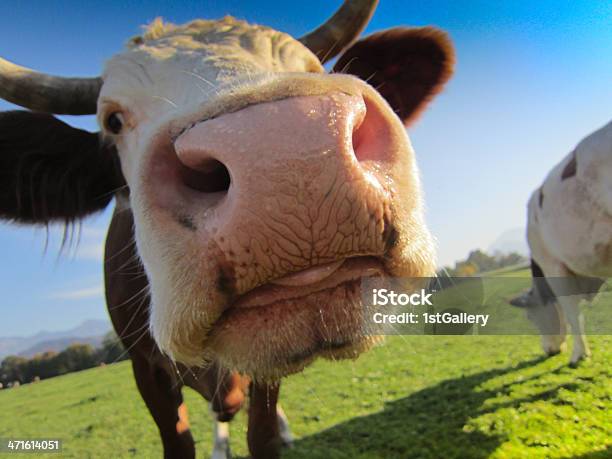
(569, 232)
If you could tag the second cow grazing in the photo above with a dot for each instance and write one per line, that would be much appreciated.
(253, 191)
(568, 230)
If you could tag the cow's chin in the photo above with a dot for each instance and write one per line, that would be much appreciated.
(279, 328)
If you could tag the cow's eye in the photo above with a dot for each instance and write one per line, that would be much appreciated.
(114, 122)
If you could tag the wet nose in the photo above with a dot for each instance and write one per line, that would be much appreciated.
(337, 130)
(269, 137)
(289, 161)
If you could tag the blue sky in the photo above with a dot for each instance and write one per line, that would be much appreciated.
(532, 79)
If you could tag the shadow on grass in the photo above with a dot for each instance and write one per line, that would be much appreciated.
(603, 454)
(427, 424)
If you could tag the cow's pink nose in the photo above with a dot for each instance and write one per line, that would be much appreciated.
(279, 140)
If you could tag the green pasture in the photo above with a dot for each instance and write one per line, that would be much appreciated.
(412, 397)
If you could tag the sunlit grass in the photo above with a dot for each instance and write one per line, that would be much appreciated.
(413, 397)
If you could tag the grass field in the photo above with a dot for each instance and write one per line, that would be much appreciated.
(413, 397)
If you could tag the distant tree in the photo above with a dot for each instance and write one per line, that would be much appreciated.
(112, 349)
(478, 261)
(13, 369)
(75, 357)
(510, 259)
(41, 365)
(481, 260)
(465, 269)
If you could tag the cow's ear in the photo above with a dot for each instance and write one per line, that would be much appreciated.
(50, 171)
(408, 66)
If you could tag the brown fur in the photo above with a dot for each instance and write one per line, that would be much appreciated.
(182, 425)
(50, 171)
(408, 66)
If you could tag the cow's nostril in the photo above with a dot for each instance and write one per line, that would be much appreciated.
(371, 135)
(211, 176)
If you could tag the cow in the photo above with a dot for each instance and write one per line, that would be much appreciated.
(253, 191)
(568, 231)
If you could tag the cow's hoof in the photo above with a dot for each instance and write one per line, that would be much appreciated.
(286, 438)
(525, 300)
(287, 443)
(576, 363)
(221, 453)
(553, 347)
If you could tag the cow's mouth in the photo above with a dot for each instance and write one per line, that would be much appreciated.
(279, 327)
(308, 281)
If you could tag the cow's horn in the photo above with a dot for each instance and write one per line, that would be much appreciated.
(341, 29)
(48, 93)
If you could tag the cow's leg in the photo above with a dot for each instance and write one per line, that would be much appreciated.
(163, 398)
(263, 434)
(283, 427)
(571, 309)
(542, 306)
(570, 290)
(554, 344)
(221, 447)
(226, 392)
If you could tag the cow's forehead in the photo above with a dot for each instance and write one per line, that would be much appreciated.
(217, 50)
(202, 30)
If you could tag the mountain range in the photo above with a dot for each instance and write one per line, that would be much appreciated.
(512, 240)
(88, 332)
